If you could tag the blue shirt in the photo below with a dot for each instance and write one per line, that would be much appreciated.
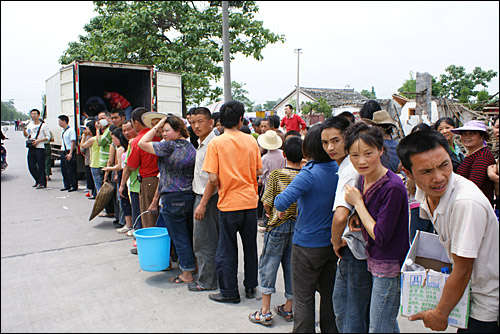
(390, 159)
(314, 191)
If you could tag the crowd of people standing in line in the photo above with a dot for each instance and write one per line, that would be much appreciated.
(341, 203)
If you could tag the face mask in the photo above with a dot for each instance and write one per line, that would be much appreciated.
(103, 122)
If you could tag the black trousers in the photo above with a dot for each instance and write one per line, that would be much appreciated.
(68, 170)
(313, 269)
(36, 165)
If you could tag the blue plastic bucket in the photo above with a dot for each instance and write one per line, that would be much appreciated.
(153, 248)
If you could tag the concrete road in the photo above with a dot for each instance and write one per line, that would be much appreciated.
(63, 273)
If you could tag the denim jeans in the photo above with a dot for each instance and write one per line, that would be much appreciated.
(226, 257)
(313, 269)
(384, 305)
(136, 210)
(205, 240)
(277, 249)
(352, 294)
(98, 175)
(177, 209)
(125, 207)
(128, 112)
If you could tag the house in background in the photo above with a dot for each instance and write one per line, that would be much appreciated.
(339, 99)
(440, 107)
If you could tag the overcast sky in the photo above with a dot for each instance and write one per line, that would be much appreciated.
(344, 44)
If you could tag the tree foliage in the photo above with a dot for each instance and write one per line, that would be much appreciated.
(368, 94)
(177, 36)
(320, 107)
(455, 84)
(10, 113)
(269, 105)
(460, 85)
(238, 93)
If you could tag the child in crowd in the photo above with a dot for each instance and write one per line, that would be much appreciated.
(272, 160)
(278, 237)
(381, 203)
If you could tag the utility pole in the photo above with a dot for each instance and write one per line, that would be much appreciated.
(225, 50)
(423, 96)
(298, 51)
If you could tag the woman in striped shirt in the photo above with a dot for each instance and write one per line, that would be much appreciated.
(475, 165)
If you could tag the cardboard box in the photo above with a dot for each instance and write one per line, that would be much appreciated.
(422, 290)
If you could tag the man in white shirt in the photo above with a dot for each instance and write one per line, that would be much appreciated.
(68, 155)
(206, 213)
(353, 281)
(467, 228)
(39, 133)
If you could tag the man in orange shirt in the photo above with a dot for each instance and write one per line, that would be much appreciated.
(233, 163)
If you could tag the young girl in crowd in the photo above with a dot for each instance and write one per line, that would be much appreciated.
(176, 164)
(444, 125)
(313, 259)
(121, 144)
(381, 203)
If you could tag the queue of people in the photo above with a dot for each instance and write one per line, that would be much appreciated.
(338, 206)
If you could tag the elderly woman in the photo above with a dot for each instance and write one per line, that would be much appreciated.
(444, 125)
(474, 135)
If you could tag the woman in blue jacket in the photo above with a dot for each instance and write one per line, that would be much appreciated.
(313, 259)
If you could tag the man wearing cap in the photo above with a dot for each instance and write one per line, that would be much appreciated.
(467, 228)
(473, 136)
(384, 121)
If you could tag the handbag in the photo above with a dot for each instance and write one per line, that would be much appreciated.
(29, 142)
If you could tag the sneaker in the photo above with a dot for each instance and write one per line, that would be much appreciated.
(130, 233)
(124, 229)
(133, 251)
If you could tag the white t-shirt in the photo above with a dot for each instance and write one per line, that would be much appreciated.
(349, 175)
(32, 129)
(468, 227)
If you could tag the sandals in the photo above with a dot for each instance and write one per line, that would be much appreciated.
(264, 319)
(107, 215)
(197, 287)
(288, 316)
(177, 279)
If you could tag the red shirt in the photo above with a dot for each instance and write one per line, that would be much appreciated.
(146, 162)
(293, 123)
(117, 98)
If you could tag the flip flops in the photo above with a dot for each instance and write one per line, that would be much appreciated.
(177, 279)
(264, 319)
(288, 316)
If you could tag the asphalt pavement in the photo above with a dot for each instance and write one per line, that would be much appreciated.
(61, 272)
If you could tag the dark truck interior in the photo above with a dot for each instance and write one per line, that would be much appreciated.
(132, 84)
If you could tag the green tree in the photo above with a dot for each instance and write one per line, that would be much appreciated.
(410, 85)
(368, 94)
(177, 36)
(270, 104)
(320, 107)
(10, 113)
(460, 85)
(238, 93)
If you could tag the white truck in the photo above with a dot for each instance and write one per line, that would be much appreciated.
(142, 85)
